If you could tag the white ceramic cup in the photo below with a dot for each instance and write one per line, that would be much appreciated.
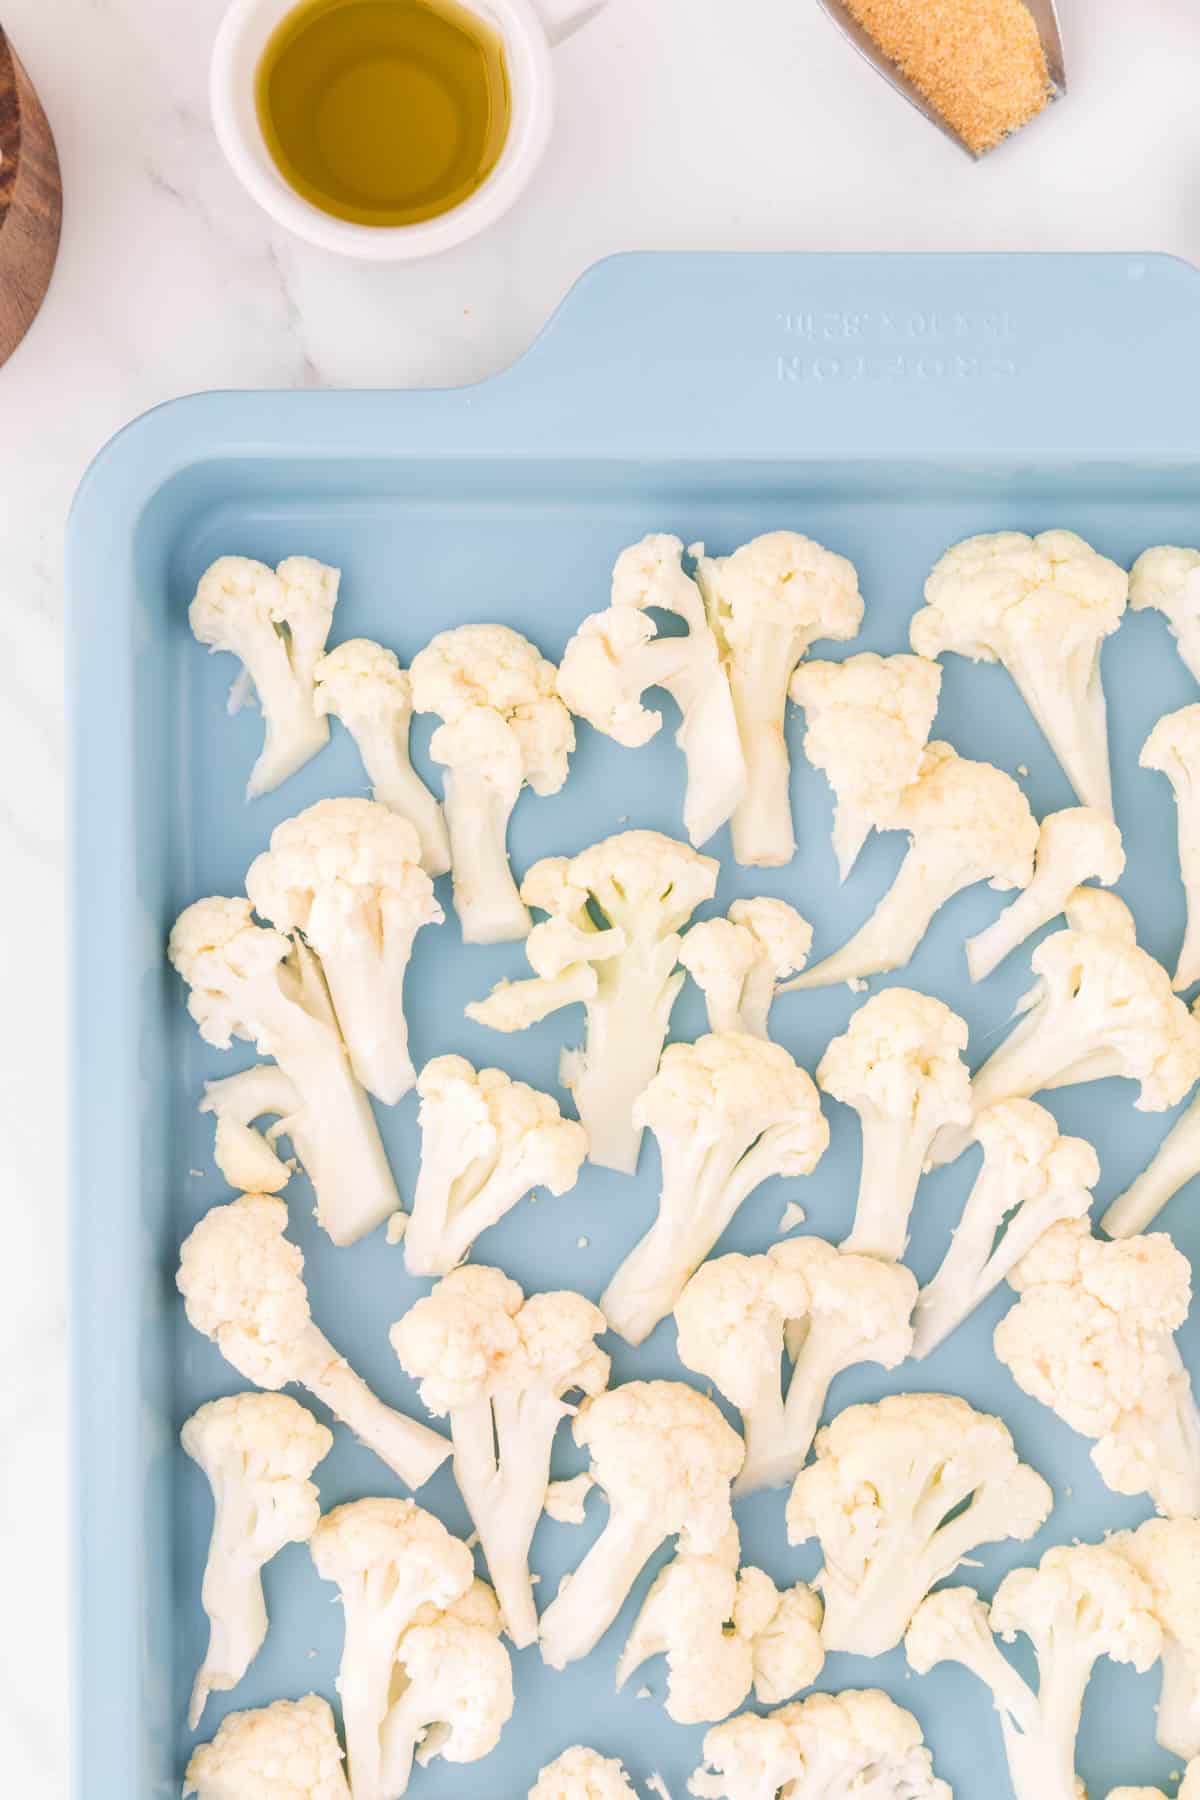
(529, 28)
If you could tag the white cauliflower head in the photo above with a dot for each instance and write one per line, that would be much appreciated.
(835, 1745)
(1042, 606)
(736, 961)
(1092, 1338)
(362, 684)
(728, 1111)
(867, 722)
(899, 1064)
(582, 1774)
(768, 603)
(501, 1366)
(723, 1633)
(1082, 1602)
(247, 982)
(275, 622)
(486, 1143)
(286, 1751)
(503, 728)
(347, 874)
(1167, 579)
(1032, 1178)
(396, 1567)
(243, 1286)
(257, 1452)
(967, 822)
(617, 655)
(1075, 845)
(885, 1541)
(612, 942)
(665, 1460)
(451, 1691)
(1102, 1007)
(826, 1309)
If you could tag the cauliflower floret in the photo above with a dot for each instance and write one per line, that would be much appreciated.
(250, 983)
(286, 1751)
(967, 822)
(1173, 748)
(501, 1367)
(451, 1691)
(276, 623)
(503, 728)
(1166, 1554)
(347, 875)
(247, 1157)
(899, 1065)
(736, 961)
(646, 887)
(1076, 845)
(867, 721)
(486, 1142)
(257, 1452)
(363, 685)
(828, 1747)
(1092, 1338)
(396, 1567)
(1032, 1178)
(617, 655)
(729, 1112)
(243, 1286)
(768, 604)
(899, 1494)
(582, 1774)
(723, 1633)
(1166, 579)
(823, 1309)
(1101, 1007)
(1082, 1602)
(1043, 607)
(665, 1458)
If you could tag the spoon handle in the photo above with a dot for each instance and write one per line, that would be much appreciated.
(30, 201)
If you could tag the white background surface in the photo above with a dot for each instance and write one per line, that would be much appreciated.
(732, 124)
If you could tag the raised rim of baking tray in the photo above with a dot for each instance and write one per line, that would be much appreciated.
(1064, 362)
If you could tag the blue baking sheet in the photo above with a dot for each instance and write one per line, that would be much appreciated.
(886, 406)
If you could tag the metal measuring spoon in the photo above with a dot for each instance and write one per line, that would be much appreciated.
(30, 201)
(1044, 17)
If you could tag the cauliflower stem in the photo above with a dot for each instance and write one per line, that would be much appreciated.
(1174, 1164)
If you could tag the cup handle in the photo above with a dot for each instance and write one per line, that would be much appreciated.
(562, 18)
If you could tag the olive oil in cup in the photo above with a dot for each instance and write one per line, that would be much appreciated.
(384, 112)
(337, 155)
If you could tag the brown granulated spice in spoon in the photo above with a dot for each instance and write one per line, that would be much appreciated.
(979, 63)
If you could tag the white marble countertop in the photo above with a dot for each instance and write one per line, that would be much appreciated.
(683, 124)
